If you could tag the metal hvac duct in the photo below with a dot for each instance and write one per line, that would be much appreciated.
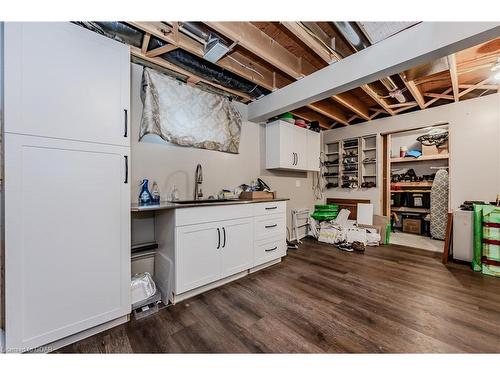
(359, 41)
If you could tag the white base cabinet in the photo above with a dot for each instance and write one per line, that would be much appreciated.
(291, 147)
(204, 248)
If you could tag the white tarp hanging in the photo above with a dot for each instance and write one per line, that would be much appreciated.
(188, 116)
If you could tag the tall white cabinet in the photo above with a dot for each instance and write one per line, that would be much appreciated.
(67, 194)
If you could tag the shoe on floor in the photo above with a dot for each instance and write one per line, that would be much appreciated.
(358, 246)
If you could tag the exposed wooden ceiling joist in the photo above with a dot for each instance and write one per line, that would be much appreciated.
(436, 40)
(351, 102)
(447, 91)
(329, 111)
(480, 87)
(380, 101)
(259, 43)
(401, 105)
(145, 42)
(165, 33)
(346, 99)
(262, 45)
(452, 62)
(475, 86)
(160, 50)
(414, 91)
(439, 96)
(305, 37)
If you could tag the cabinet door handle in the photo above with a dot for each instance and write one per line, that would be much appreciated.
(297, 162)
(126, 169)
(224, 232)
(271, 208)
(218, 238)
(271, 226)
(274, 248)
(293, 158)
(125, 133)
(296, 158)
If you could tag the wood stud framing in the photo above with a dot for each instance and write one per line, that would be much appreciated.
(252, 39)
(452, 62)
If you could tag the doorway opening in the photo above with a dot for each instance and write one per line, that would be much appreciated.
(416, 186)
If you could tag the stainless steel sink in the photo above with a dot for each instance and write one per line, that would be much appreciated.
(204, 201)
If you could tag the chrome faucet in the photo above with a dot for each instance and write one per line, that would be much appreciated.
(198, 179)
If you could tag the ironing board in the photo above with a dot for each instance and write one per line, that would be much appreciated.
(439, 205)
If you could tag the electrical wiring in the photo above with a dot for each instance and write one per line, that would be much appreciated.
(245, 66)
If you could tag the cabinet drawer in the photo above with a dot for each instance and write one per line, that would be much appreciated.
(198, 215)
(269, 249)
(269, 208)
(270, 226)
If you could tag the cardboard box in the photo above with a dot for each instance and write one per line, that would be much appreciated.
(434, 150)
(412, 226)
(256, 195)
(379, 224)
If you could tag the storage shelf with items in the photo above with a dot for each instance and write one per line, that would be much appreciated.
(332, 155)
(413, 166)
(349, 171)
(369, 161)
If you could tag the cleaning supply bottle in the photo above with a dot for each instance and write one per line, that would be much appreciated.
(174, 194)
(155, 192)
(145, 197)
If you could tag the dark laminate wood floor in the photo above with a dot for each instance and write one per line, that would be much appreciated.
(319, 299)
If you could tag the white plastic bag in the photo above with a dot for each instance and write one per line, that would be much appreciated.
(142, 287)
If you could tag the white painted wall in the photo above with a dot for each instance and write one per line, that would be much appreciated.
(474, 146)
(169, 164)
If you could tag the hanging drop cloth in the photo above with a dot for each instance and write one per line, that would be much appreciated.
(439, 205)
(188, 116)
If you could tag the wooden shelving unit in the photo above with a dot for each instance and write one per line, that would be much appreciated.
(366, 148)
(369, 168)
(413, 184)
(355, 150)
(421, 158)
(332, 152)
(411, 210)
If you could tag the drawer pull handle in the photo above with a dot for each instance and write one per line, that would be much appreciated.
(271, 226)
(271, 208)
(274, 248)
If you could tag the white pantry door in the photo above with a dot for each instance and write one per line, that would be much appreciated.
(67, 238)
(64, 81)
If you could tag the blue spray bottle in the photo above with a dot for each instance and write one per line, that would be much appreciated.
(145, 197)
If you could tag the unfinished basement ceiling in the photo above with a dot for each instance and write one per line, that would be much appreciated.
(252, 59)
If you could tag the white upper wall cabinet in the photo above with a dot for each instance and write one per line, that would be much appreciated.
(291, 147)
(64, 81)
(313, 150)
